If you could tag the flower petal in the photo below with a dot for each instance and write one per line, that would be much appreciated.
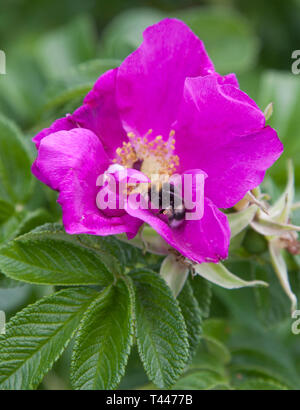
(204, 240)
(222, 131)
(71, 162)
(62, 124)
(150, 81)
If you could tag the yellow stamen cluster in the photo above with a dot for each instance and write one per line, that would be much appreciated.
(126, 155)
(155, 155)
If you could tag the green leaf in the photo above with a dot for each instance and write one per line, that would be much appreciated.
(15, 175)
(126, 254)
(192, 316)
(160, 329)
(113, 251)
(104, 339)
(37, 336)
(203, 294)
(218, 274)
(54, 258)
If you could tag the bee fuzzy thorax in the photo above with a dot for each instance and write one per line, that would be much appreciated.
(169, 202)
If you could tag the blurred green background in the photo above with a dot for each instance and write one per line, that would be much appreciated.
(55, 51)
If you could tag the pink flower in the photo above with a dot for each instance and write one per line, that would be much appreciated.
(200, 121)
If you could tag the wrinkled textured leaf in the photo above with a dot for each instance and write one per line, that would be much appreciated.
(37, 336)
(104, 339)
(53, 258)
(126, 254)
(192, 316)
(203, 293)
(161, 334)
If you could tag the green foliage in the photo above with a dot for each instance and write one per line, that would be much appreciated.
(76, 83)
(203, 294)
(163, 343)
(103, 317)
(52, 258)
(15, 176)
(192, 315)
(104, 340)
(37, 336)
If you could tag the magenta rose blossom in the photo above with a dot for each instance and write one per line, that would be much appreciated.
(163, 111)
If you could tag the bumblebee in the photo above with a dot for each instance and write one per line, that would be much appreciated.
(170, 203)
